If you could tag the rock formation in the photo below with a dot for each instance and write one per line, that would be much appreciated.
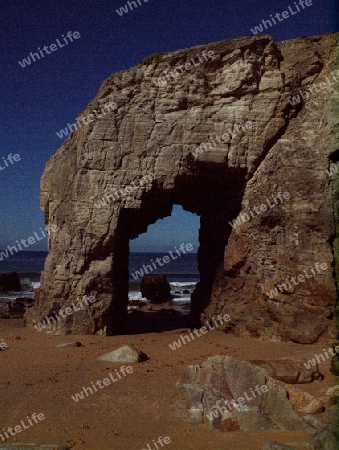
(233, 395)
(155, 288)
(220, 136)
(10, 282)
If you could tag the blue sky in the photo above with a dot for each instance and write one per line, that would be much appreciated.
(40, 99)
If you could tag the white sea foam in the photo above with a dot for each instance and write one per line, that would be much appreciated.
(177, 292)
(136, 295)
(185, 284)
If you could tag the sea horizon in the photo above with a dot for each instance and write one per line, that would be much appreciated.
(182, 273)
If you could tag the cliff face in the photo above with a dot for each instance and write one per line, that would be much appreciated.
(127, 167)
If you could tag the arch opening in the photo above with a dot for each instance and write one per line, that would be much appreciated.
(169, 247)
(215, 197)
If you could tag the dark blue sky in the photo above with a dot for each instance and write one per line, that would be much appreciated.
(40, 99)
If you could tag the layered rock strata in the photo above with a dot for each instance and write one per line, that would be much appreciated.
(222, 139)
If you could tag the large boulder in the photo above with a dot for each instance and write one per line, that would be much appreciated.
(289, 371)
(327, 437)
(10, 282)
(324, 439)
(233, 395)
(155, 288)
(303, 402)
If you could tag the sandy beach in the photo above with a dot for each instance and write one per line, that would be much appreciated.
(169, 233)
(137, 409)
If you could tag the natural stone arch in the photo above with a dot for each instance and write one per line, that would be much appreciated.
(205, 193)
(155, 131)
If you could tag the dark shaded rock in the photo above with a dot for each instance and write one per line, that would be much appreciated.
(7, 310)
(15, 309)
(155, 288)
(137, 303)
(18, 306)
(289, 371)
(10, 282)
(156, 318)
(335, 365)
(27, 301)
(324, 439)
(316, 423)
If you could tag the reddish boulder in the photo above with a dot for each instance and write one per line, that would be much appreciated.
(155, 288)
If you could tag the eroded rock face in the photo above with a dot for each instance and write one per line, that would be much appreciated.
(126, 168)
(233, 395)
(289, 371)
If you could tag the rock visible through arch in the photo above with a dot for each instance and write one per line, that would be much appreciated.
(120, 173)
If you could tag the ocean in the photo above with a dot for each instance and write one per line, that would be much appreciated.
(182, 274)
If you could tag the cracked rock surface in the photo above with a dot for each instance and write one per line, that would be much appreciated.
(233, 395)
(123, 171)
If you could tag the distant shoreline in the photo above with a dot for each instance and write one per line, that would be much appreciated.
(132, 253)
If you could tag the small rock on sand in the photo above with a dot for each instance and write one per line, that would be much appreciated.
(70, 344)
(124, 354)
